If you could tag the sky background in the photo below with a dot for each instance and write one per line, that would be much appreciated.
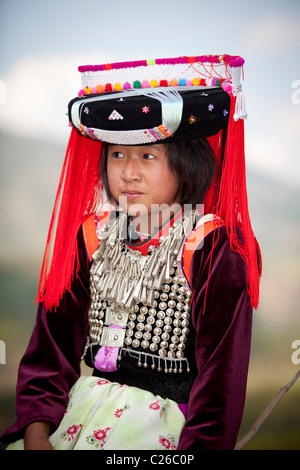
(41, 46)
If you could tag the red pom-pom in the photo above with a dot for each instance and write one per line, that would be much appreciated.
(163, 83)
(191, 60)
(108, 87)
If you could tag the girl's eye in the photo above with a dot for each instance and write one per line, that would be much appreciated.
(148, 156)
(117, 154)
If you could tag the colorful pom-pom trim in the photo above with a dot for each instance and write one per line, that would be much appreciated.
(108, 87)
(207, 61)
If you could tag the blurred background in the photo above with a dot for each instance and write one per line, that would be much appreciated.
(41, 46)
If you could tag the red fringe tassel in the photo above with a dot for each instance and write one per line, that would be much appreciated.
(228, 199)
(77, 197)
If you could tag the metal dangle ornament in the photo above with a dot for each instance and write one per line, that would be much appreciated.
(140, 303)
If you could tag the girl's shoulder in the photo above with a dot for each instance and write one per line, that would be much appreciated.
(209, 248)
(205, 226)
(91, 228)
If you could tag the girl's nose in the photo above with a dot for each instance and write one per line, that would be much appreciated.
(131, 170)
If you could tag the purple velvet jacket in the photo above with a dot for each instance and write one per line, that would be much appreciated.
(51, 363)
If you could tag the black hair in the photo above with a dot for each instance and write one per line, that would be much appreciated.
(194, 163)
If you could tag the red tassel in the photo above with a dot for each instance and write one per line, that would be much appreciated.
(227, 198)
(77, 197)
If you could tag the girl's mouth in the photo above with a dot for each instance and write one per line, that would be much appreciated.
(131, 194)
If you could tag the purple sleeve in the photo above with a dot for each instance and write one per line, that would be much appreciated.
(223, 336)
(51, 363)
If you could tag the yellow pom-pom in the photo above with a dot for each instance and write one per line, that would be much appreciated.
(174, 82)
(88, 90)
(118, 87)
(153, 83)
(196, 81)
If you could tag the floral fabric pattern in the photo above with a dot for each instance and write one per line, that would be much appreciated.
(167, 442)
(71, 432)
(98, 438)
(103, 415)
(159, 405)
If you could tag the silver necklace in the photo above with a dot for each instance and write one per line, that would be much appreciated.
(122, 278)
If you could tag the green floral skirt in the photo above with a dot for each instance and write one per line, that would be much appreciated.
(109, 416)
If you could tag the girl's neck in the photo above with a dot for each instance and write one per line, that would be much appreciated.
(148, 224)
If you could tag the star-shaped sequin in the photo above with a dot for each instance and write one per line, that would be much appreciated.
(86, 110)
(210, 107)
(192, 119)
(145, 109)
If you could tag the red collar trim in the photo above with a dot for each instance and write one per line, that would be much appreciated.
(163, 231)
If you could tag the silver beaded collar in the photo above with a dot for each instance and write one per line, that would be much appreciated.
(140, 303)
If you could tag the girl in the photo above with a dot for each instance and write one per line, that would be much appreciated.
(152, 292)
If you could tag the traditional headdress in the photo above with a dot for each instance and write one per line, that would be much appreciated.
(133, 103)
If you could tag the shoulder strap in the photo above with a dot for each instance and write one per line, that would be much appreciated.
(205, 225)
(90, 231)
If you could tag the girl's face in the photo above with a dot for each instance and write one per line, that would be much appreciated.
(140, 178)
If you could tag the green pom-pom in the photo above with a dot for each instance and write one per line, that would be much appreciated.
(137, 84)
(150, 61)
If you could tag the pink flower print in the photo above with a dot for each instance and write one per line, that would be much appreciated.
(72, 431)
(118, 412)
(158, 405)
(166, 443)
(98, 438)
(99, 383)
(101, 434)
(102, 382)
(155, 405)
